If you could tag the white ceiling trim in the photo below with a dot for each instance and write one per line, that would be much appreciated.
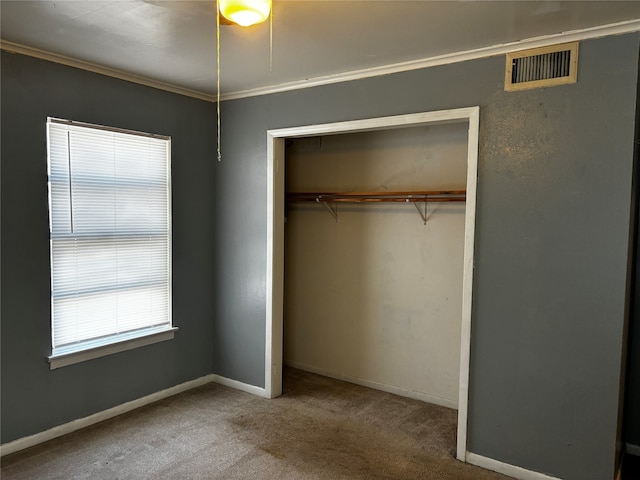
(619, 28)
(94, 67)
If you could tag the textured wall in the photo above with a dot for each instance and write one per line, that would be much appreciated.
(35, 398)
(554, 194)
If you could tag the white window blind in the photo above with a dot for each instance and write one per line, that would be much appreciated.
(110, 220)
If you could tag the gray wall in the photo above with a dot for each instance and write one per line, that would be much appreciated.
(554, 197)
(33, 397)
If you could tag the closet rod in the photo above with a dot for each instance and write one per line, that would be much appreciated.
(361, 197)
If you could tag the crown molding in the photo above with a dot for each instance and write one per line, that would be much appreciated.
(619, 28)
(95, 68)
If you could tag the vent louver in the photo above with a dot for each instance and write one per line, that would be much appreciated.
(542, 67)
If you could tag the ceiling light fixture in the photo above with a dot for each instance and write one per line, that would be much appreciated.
(245, 12)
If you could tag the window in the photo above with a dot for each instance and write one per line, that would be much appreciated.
(110, 231)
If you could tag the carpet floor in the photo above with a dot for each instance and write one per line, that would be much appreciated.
(319, 429)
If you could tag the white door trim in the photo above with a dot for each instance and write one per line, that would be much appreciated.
(275, 238)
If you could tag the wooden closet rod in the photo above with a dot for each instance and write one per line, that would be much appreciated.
(361, 197)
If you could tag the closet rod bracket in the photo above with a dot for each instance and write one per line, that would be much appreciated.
(332, 211)
(423, 215)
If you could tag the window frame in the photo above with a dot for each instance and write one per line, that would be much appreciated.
(113, 343)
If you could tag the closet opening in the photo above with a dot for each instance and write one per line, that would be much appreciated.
(378, 282)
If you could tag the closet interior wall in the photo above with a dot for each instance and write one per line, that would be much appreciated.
(375, 297)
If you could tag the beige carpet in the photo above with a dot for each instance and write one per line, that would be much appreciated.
(319, 429)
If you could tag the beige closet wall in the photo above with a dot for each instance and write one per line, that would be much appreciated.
(375, 298)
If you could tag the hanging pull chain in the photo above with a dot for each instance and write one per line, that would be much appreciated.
(218, 76)
(271, 40)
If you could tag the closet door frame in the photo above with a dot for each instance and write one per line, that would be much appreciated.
(275, 238)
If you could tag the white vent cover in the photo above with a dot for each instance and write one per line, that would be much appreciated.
(542, 67)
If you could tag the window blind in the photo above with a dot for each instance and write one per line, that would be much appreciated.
(110, 225)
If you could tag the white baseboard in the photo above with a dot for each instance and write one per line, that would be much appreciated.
(243, 387)
(74, 425)
(632, 449)
(425, 397)
(32, 440)
(506, 469)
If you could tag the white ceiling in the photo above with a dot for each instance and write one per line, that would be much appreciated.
(175, 41)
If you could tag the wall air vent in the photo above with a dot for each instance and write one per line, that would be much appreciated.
(542, 67)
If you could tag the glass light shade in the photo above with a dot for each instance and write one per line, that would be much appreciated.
(245, 12)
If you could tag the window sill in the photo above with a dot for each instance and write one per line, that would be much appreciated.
(69, 356)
